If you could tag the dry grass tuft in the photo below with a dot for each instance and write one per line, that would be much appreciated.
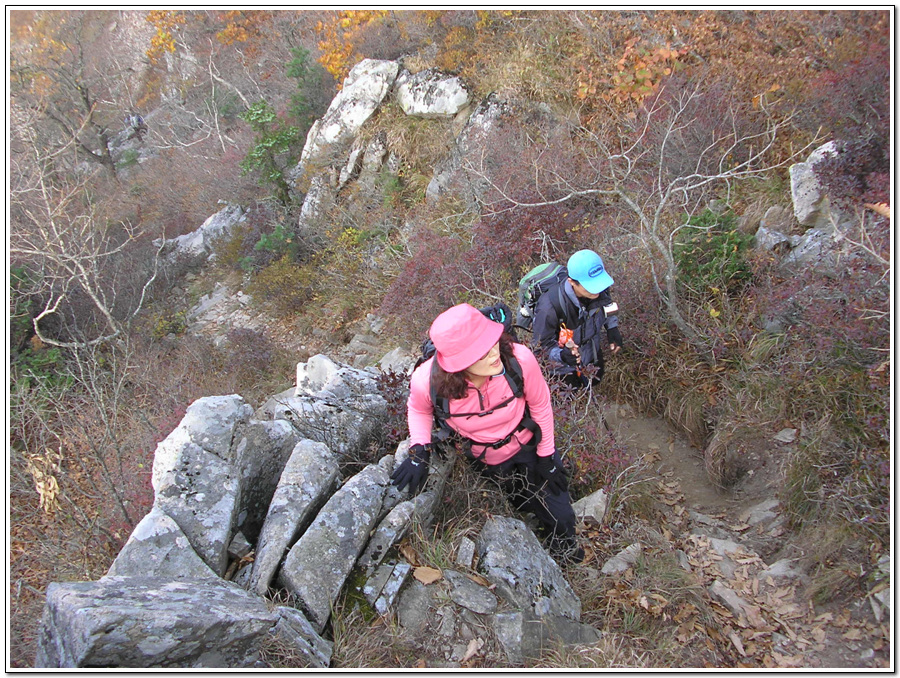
(421, 142)
(360, 643)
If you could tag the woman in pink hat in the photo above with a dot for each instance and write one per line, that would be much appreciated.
(496, 401)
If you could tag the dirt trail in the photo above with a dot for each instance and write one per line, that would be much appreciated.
(669, 452)
(781, 627)
(654, 440)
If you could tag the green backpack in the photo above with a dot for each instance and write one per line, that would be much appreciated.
(532, 285)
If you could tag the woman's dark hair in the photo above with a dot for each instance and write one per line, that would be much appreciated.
(452, 385)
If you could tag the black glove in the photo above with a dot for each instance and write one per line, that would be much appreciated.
(552, 472)
(567, 357)
(614, 336)
(414, 469)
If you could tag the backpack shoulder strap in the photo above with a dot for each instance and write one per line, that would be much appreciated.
(558, 301)
(441, 404)
(514, 377)
(441, 409)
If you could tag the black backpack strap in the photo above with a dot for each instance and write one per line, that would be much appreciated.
(513, 374)
(558, 302)
(441, 408)
(526, 424)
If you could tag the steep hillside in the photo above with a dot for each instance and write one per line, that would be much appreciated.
(369, 168)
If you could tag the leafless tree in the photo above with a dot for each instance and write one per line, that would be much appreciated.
(69, 84)
(71, 251)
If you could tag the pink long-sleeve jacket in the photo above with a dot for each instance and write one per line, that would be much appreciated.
(494, 426)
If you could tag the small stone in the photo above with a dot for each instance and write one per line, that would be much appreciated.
(786, 435)
(466, 552)
(622, 560)
(239, 546)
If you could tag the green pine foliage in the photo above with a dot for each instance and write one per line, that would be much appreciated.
(272, 153)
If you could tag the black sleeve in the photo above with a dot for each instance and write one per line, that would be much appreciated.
(546, 325)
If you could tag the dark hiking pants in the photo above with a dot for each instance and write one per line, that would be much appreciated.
(523, 485)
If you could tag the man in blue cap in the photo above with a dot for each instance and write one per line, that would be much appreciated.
(569, 319)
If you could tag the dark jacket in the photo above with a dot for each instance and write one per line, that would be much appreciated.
(558, 306)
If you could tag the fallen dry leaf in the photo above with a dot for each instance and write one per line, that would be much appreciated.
(478, 579)
(685, 631)
(853, 634)
(427, 575)
(788, 660)
(736, 641)
(474, 645)
(409, 553)
(685, 611)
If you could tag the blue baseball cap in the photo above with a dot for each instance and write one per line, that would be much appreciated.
(586, 268)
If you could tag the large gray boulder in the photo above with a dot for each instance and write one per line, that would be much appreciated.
(209, 423)
(135, 622)
(814, 250)
(430, 94)
(296, 630)
(326, 379)
(332, 403)
(194, 479)
(308, 479)
(545, 610)
(450, 176)
(363, 90)
(771, 240)
(158, 548)
(511, 557)
(318, 565)
(525, 636)
(196, 247)
(403, 511)
(318, 199)
(807, 193)
(365, 164)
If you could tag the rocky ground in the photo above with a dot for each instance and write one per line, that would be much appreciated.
(736, 545)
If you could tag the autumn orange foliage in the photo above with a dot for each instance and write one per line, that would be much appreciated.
(337, 41)
(244, 27)
(165, 21)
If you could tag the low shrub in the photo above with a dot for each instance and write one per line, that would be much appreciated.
(711, 254)
(258, 241)
(256, 364)
(169, 322)
(591, 454)
(283, 286)
(394, 388)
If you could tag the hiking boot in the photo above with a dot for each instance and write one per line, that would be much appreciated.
(566, 551)
(574, 556)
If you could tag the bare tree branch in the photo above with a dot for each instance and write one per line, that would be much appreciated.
(56, 229)
(654, 189)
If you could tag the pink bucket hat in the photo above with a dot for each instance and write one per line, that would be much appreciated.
(462, 335)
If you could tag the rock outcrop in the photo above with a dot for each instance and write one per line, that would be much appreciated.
(196, 247)
(248, 505)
